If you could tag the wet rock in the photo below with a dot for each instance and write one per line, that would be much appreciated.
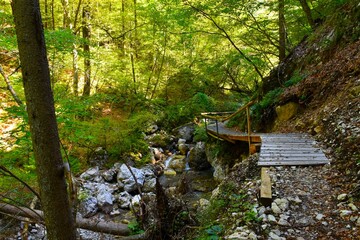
(197, 157)
(178, 163)
(185, 132)
(169, 172)
(183, 148)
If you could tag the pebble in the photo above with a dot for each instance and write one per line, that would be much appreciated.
(275, 208)
(319, 216)
(358, 222)
(342, 197)
(271, 218)
(353, 207)
(344, 213)
(274, 236)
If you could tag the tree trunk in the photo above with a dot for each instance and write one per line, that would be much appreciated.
(66, 16)
(282, 32)
(52, 15)
(87, 63)
(75, 54)
(10, 88)
(307, 12)
(46, 14)
(43, 127)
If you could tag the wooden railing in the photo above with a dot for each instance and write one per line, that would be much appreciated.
(219, 116)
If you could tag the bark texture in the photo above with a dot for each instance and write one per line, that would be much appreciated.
(42, 120)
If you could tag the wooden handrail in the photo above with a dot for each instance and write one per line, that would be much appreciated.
(219, 117)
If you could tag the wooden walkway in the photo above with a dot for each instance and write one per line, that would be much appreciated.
(288, 149)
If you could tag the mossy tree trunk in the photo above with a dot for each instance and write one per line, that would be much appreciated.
(42, 120)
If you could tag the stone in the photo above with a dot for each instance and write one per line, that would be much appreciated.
(204, 202)
(274, 236)
(287, 111)
(183, 148)
(149, 185)
(186, 131)
(124, 200)
(319, 217)
(109, 175)
(104, 199)
(252, 236)
(169, 172)
(275, 208)
(344, 213)
(296, 199)
(88, 208)
(135, 201)
(177, 163)
(90, 174)
(271, 218)
(358, 222)
(282, 203)
(197, 157)
(342, 197)
(353, 207)
(125, 176)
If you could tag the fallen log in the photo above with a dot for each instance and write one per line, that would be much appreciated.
(93, 225)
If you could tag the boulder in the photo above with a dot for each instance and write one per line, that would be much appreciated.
(90, 174)
(109, 175)
(185, 132)
(125, 177)
(197, 157)
(88, 207)
(104, 198)
(287, 111)
(178, 163)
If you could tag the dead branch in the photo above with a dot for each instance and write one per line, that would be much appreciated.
(93, 225)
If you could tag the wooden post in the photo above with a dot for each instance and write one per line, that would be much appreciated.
(265, 188)
(217, 127)
(248, 128)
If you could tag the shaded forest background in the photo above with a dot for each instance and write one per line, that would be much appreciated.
(117, 67)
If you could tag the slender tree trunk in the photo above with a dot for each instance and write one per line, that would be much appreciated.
(46, 14)
(10, 88)
(122, 41)
(52, 15)
(282, 31)
(87, 63)
(66, 17)
(307, 12)
(42, 120)
(133, 72)
(135, 40)
(75, 54)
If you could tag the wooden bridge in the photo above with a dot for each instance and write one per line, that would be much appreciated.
(276, 149)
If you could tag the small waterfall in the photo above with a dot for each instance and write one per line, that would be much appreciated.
(187, 167)
(168, 161)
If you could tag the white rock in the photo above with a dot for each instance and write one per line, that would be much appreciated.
(358, 222)
(90, 173)
(353, 207)
(271, 218)
(283, 222)
(319, 216)
(282, 203)
(344, 213)
(252, 236)
(273, 236)
(295, 199)
(135, 201)
(124, 199)
(342, 197)
(127, 178)
(275, 208)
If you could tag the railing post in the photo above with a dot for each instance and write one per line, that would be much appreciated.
(206, 123)
(217, 126)
(248, 128)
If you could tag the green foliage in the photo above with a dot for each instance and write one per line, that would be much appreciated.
(135, 227)
(296, 78)
(231, 199)
(200, 134)
(187, 111)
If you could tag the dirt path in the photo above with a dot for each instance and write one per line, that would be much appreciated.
(309, 204)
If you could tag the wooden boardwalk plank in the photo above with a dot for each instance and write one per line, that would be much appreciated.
(265, 188)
